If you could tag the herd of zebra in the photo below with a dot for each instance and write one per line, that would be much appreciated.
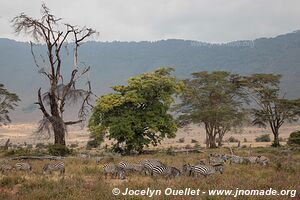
(151, 167)
(24, 166)
(154, 167)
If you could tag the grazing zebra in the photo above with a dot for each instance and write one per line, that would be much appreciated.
(114, 171)
(263, 160)
(23, 166)
(5, 167)
(149, 164)
(84, 156)
(217, 158)
(131, 167)
(58, 166)
(204, 170)
(168, 172)
(236, 159)
(251, 159)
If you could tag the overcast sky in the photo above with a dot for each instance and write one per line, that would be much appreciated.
(136, 20)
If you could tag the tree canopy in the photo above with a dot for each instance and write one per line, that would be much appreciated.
(271, 109)
(215, 100)
(136, 115)
(8, 102)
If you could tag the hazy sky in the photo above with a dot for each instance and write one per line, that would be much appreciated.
(135, 20)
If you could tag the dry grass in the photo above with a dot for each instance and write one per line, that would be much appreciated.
(84, 180)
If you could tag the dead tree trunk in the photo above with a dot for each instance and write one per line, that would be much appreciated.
(49, 31)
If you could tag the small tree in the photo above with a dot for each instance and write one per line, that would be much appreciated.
(137, 115)
(271, 109)
(8, 102)
(51, 32)
(215, 100)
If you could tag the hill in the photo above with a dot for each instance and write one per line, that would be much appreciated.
(113, 62)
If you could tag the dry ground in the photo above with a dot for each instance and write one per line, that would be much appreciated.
(84, 180)
(20, 133)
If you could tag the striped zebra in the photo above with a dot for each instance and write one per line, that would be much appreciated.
(250, 160)
(114, 170)
(23, 167)
(217, 158)
(204, 170)
(130, 167)
(236, 159)
(57, 166)
(5, 167)
(166, 171)
(263, 160)
(149, 164)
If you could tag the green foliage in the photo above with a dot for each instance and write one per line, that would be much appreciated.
(93, 143)
(215, 100)
(137, 115)
(263, 138)
(8, 102)
(271, 108)
(59, 150)
(294, 138)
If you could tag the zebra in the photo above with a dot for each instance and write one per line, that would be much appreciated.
(236, 159)
(5, 167)
(131, 167)
(114, 171)
(217, 158)
(23, 166)
(84, 155)
(168, 172)
(263, 160)
(57, 166)
(204, 170)
(149, 164)
(250, 160)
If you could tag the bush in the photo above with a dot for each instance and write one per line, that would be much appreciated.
(294, 138)
(59, 150)
(74, 145)
(263, 138)
(232, 139)
(194, 141)
(40, 145)
(92, 144)
(181, 140)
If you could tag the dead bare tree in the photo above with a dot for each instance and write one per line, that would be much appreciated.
(54, 34)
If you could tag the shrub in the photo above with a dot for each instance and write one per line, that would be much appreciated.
(194, 141)
(294, 138)
(263, 138)
(92, 144)
(59, 150)
(232, 139)
(181, 140)
(40, 145)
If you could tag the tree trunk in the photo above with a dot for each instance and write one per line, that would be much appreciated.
(212, 141)
(59, 131)
(220, 140)
(276, 139)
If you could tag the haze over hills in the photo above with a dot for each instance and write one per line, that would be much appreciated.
(114, 62)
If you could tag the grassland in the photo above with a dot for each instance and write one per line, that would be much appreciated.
(84, 179)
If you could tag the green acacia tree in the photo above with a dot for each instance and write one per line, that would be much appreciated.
(271, 109)
(214, 100)
(8, 101)
(137, 115)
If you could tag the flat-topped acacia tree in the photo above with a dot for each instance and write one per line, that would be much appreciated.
(54, 34)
